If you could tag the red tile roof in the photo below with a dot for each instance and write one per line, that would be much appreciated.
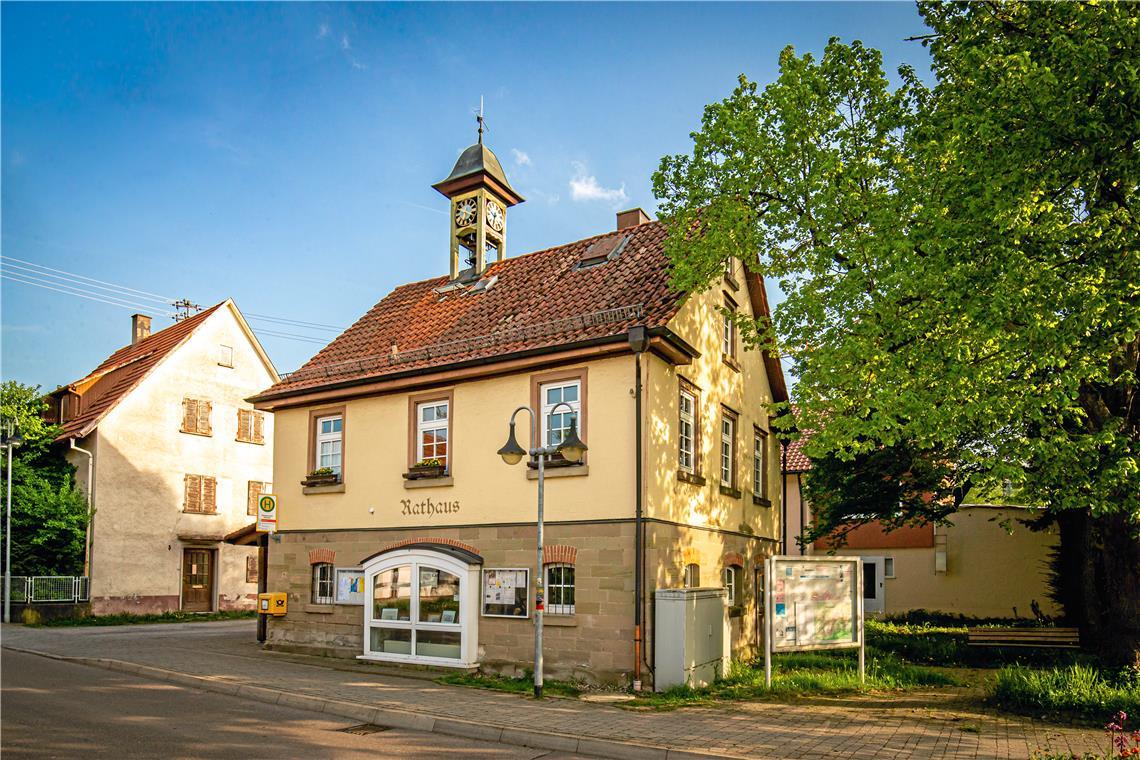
(537, 300)
(796, 460)
(122, 371)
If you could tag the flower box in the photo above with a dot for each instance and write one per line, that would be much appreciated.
(425, 471)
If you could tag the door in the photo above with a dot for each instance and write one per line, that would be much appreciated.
(197, 580)
(873, 598)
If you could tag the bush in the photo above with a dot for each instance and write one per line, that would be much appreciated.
(1079, 691)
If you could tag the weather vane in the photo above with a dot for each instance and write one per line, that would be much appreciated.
(479, 118)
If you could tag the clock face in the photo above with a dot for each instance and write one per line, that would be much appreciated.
(495, 216)
(465, 212)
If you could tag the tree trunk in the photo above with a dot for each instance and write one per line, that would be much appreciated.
(1099, 566)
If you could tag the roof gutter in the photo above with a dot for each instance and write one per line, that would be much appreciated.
(662, 342)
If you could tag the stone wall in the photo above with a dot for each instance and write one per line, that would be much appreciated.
(594, 644)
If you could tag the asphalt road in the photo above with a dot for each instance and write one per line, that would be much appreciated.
(50, 708)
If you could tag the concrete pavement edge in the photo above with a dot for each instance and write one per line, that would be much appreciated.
(386, 716)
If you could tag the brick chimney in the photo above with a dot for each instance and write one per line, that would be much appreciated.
(635, 217)
(140, 327)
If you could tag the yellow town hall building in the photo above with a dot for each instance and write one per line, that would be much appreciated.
(403, 537)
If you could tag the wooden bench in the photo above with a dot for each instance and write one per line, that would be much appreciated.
(1053, 638)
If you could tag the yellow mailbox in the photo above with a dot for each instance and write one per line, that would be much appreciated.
(276, 604)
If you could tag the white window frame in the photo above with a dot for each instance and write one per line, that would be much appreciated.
(560, 609)
(727, 450)
(759, 462)
(324, 579)
(730, 580)
(728, 338)
(888, 567)
(322, 438)
(424, 426)
(692, 577)
(547, 408)
(687, 456)
(466, 623)
(226, 356)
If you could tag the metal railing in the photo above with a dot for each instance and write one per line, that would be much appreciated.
(40, 589)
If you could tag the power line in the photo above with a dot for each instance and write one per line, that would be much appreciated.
(71, 275)
(290, 336)
(15, 278)
(81, 286)
(297, 322)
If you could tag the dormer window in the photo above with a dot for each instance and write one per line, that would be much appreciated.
(601, 251)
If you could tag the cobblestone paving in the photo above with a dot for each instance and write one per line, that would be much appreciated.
(915, 726)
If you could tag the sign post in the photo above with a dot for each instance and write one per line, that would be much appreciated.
(267, 513)
(813, 603)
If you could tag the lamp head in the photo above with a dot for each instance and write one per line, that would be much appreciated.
(511, 452)
(572, 447)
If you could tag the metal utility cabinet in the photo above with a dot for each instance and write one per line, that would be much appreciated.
(692, 638)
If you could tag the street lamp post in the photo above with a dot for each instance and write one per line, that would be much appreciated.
(572, 448)
(11, 441)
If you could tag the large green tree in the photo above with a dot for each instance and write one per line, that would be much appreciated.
(49, 514)
(960, 257)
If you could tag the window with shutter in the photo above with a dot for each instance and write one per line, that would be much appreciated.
(258, 427)
(196, 416)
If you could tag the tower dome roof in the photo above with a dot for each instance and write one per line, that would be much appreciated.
(477, 161)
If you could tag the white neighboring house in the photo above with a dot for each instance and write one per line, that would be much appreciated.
(172, 457)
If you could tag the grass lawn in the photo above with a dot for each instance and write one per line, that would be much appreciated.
(804, 674)
(165, 617)
(1076, 691)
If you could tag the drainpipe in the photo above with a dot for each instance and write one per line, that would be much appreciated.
(784, 494)
(638, 342)
(90, 510)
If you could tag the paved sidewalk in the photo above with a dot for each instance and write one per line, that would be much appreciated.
(224, 657)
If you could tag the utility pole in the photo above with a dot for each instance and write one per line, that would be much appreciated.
(184, 305)
(12, 440)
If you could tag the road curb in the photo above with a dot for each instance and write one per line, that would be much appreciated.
(387, 716)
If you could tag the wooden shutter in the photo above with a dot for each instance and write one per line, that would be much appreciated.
(258, 427)
(209, 494)
(193, 493)
(189, 415)
(244, 426)
(251, 569)
(256, 488)
(204, 408)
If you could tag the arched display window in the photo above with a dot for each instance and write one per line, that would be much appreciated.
(421, 606)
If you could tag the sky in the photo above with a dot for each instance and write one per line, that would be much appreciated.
(283, 154)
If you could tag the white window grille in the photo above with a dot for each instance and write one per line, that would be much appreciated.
(728, 451)
(432, 431)
(323, 584)
(330, 442)
(692, 575)
(556, 425)
(730, 578)
(687, 432)
(560, 589)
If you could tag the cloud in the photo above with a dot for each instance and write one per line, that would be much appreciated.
(323, 31)
(542, 195)
(585, 187)
(344, 42)
(521, 158)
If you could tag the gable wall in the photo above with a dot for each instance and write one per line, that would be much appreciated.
(142, 459)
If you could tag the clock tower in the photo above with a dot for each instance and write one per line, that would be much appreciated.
(480, 196)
